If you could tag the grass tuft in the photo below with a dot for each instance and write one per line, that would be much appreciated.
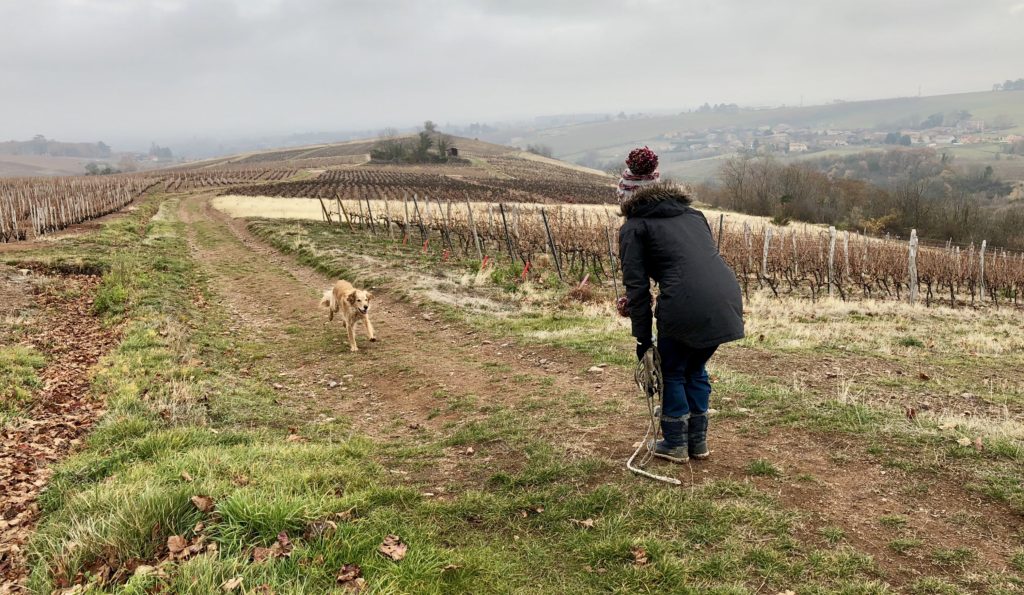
(763, 468)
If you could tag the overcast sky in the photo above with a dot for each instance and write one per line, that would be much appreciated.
(140, 70)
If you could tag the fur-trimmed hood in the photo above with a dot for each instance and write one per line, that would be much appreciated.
(664, 199)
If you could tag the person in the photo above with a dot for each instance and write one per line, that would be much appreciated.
(699, 304)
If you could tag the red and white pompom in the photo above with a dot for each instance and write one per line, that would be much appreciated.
(641, 170)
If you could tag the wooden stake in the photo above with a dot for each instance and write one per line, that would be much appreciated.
(912, 266)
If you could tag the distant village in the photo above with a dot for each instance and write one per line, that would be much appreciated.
(785, 139)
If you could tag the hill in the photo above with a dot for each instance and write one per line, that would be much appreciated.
(609, 140)
(344, 153)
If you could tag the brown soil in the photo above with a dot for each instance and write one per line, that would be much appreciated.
(395, 385)
(73, 340)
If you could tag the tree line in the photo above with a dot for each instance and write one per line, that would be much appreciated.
(428, 146)
(889, 192)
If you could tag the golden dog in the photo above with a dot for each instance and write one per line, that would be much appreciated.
(353, 304)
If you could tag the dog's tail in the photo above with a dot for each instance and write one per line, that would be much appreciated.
(328, 301)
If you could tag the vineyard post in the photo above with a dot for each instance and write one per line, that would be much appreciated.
(387, 215)
(764, 254)
(981, 271)
(323, 208)
(746, 240)
(956, 273)
(448, 217)
(445, 231)
(721, 226)
(831, 257)
(362, 218)
(846, 254)
(508, 239)
(972, 281)
(490, 219)
(551, 242)
(912, 266)
(419, 217)
(369, 214)
(611, 259)
(405, 219)
(472, 225)
(341, 212)
(796, 256)
(430, 212)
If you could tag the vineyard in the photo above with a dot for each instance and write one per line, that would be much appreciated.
(31, 207)
(198, 179)
(580, 242)
(515, 209)
(516, 180)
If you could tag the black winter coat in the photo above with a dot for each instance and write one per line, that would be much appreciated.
(663, 238)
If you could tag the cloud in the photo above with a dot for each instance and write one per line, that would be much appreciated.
(141, 70)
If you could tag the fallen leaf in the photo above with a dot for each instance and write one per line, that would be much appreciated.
(349, 572)
(978, 444)
(231, 585)
(319, 529)
(911, 413)
(393, 548)
(350, 578)
(186, 477)
(585, 523)
(964, 441)
(923, 376)
(203, 503)
(947, 426)
(176, 544)
(260, 554)
(285, 544)
(470, 450)
(639, 556)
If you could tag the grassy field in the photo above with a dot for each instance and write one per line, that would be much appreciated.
(242, 449)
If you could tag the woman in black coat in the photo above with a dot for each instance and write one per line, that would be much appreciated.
(699, 304)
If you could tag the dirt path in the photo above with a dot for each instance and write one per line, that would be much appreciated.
(403, 387)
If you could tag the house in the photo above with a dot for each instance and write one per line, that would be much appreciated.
(943, 139)
(972, 125)
(833, 141)
(797, 147)
(453, 151)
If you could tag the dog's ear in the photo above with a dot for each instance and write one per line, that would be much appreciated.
(352, 298)
(369, 296)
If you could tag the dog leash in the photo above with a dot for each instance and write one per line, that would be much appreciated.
(649, 380)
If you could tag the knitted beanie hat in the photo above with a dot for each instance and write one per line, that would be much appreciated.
(641, 170)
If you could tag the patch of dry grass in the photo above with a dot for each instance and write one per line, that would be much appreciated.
(882, 327)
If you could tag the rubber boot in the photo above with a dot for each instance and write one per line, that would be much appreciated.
(675, 445)
(697, 436)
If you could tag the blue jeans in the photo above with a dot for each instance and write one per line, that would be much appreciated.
(687, 388)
